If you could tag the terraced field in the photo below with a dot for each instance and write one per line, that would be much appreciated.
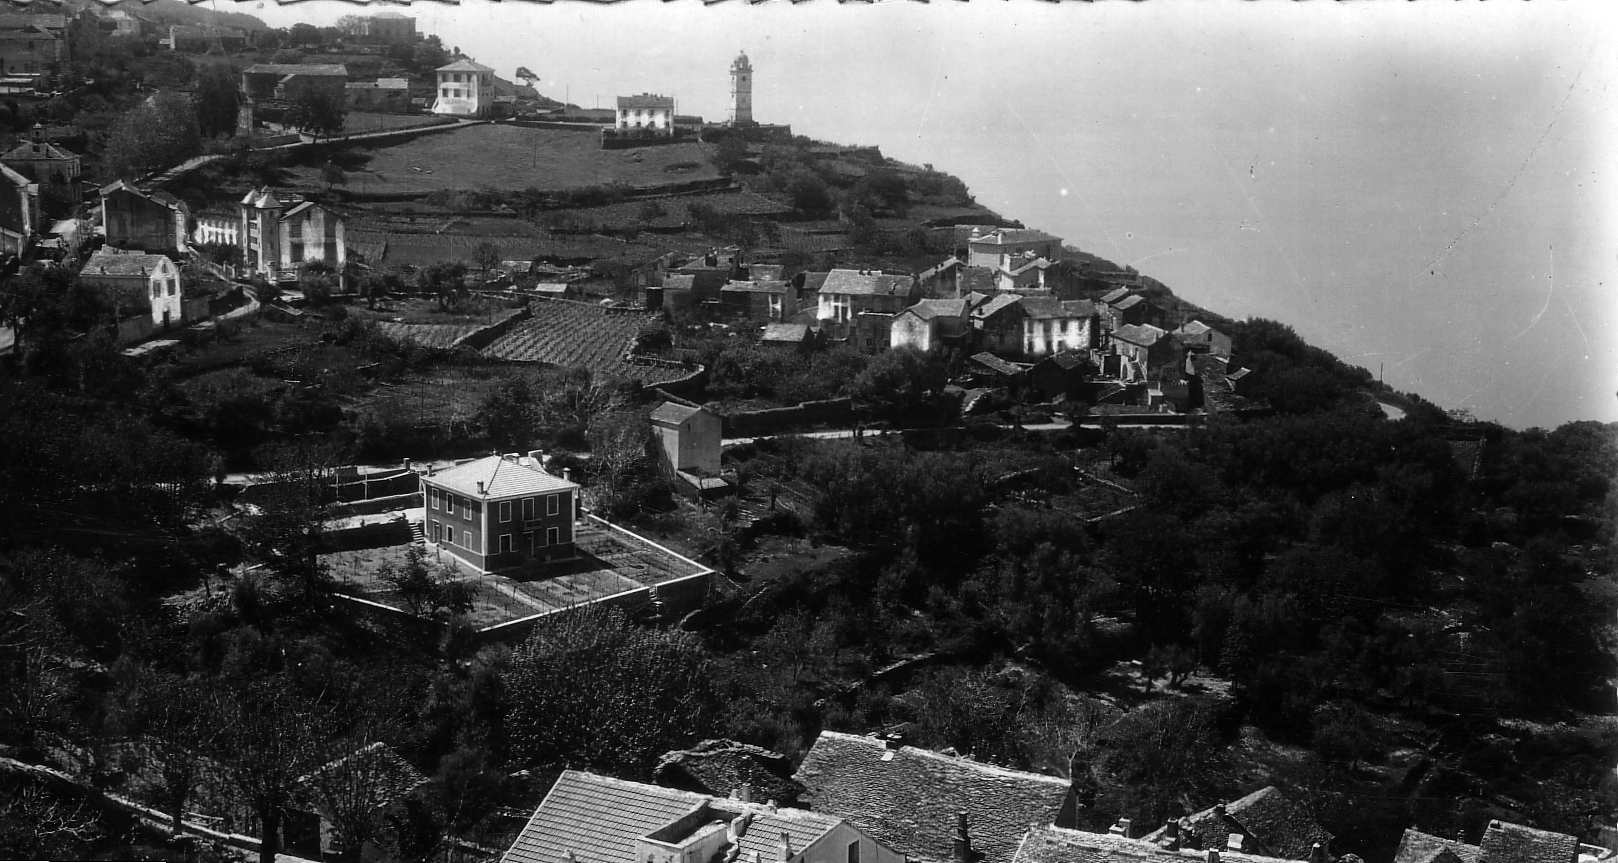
(427, 335)
(572, 334)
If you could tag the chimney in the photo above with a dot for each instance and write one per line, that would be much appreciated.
(1233, 842)
(786, 847)
(1219, 811)
(1317, 853)
(894, 741)
(962, 845)
(480, 488)
(1171, 835)
(431, 468)
(770, 804)
(1213, 855)
(567, 474)
(538, 455)
(1120, 828)
(512, 456)
(407, 464)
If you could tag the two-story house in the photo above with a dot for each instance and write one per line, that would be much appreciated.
(1051, 326)
(689, 439)
(465, 89)
(586, 818)
(56, 170)
(19, 211)
(1144, 351)
(759, 299)
(1008, 248)
(997, 322)
(929, 324)
(281, 232)
(846, 295)
(1199, 337)
(645, 114)
(500, 512)
(154, 222)
(136, 282)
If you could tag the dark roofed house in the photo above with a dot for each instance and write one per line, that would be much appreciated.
(929, 324)
(1269, 823)
(1061, 375)
(1198, 336)
(1503, 842)
(1051, 326)
(1418, 847)
(1144, 350)
(759, 299)
(587, 818)
(794, 336)
(910, 798)
(724, 768)
(690, 439)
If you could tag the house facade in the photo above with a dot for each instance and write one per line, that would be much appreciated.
(19, 211)
(264, 81)
(848, 293)
(759, 300)
(137, 282)
(280, 233)
(500, 512)
(1143, 349)
(997, 323)
(645, 114)
(929, 324)
(1198, 336)
(30, 44)
(1051, 326)
(55, 169)
(689, 437)
(1007, 248)
(465, 89)
(154, 222)
(389, 28)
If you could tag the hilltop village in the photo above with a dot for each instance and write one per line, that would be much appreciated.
(403, 464)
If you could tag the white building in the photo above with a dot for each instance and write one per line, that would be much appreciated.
(465, 89)
(279, 233)
(646, 112)
(136, 281)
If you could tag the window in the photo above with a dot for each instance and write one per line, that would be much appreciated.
(449, 504)
(527, 509)
(553, 536)
(443, 91)
(438, 531)
(505, 510)
(553, 504)
(466, 539)
(432, 498)
(505, 543)
(854, 852)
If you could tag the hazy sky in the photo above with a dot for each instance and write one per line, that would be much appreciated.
(1425, 188)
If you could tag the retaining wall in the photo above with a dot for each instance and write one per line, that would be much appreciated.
(838, 411)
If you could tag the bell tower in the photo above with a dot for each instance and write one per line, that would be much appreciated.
(741, 91)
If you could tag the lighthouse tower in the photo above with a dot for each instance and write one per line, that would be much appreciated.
(741, 91)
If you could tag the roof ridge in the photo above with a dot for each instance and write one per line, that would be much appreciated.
(952, 759)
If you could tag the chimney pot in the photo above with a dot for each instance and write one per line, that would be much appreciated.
(480, 488)
(894, 741)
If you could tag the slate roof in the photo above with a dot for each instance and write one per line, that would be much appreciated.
(645, 100)
(501, 478)
(1418, 847)
(1194, 328)
(996, 364)
(30, 151)
(1067, 360)
(1041, 308)
(464, 65)
(976, 279)
(1044, 844)
(720, 767)
(679, 282)
(790, 333)
(1145, 335)
(929, 309)
(757, 286)
(997, 304)
(1513, 843)
(908, 798)
(112, 262)
(1114, 295)
(1129, 302)
(1276, 825)
(673, 413)
(597, 819)
(865, 283)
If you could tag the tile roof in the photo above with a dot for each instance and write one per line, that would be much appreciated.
(112, 262)
(679, 282)
(1129, 302)
(908, 798)
(1114, 295)
(501, 478)
(757, 286)
(1418, 847)
(464, 65)
(996, 364)
(29, 151)
(794, 333)
(597, 819)
(1067, 360)
(997, 304)
(1195, 328)
(645, 100)
(1044, 844)
(1513, 843)
(865, 283)
(1051, 307)
(1138, 334)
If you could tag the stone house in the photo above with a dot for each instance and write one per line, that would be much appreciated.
(759, 300)
(586, 818)
(154, 222)
(1007, 248)
(267, 81)
(136, 282)
(929, 324)
(500, 512)
(19, 211)
(1051, 326)
(389, 28)
(847, 294)
(374, 779)
(1201, 338)
(1267, 822)
(1503, 842)
(689, 439)
(1143, 350)
(31, 44)
(997, 322)
(55, 169)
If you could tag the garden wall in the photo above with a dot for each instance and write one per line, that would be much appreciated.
(484, 336)
(773, 420)
(377, 535)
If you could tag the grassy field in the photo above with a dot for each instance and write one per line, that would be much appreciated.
(511, 158)
(363, 121)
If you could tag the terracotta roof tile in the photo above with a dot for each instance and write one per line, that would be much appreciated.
(908, 798)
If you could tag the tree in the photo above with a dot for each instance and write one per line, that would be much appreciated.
(509, 415)
(332, 174)
(286, 532)
(486, 256)
(901, 381)
(430, 594)
(591, 690)
(1156, 755)
(314, 106)
(217, 102)
(527, 77)
(169, 714)
(159, 133)
(729, 154)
